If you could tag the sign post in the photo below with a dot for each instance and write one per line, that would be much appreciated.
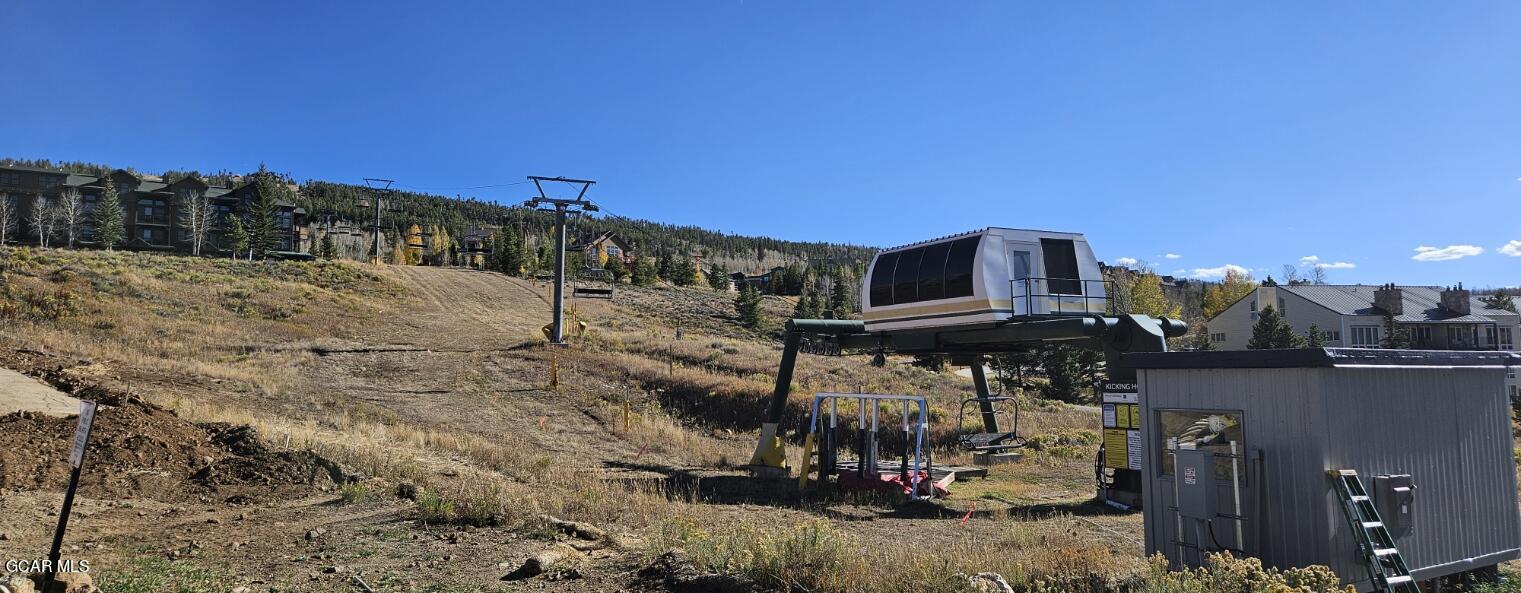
(76, 462)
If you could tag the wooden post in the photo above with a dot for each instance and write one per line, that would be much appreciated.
(554, 371)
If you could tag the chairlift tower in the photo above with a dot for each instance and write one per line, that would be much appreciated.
(376, 191)
(560, 206)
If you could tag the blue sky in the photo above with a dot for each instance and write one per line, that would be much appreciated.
(1222, 133)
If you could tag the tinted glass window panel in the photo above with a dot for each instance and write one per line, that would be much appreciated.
(932, 271)
(1206, 431)
(1061, 266)
(906, 279)
(958, 267)
(882, 280)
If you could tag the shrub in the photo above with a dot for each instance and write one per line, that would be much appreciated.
(811, 556)
(45, 305)
(432, 508)
(1222, 572)
(1065, 443)
(355, 493)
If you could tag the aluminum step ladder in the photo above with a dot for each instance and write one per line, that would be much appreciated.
(1385, 565)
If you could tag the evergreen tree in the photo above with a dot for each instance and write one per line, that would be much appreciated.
(1012, 368)
(1500, 300)
(545, 258)
(718, 278)
(664, 267)
(1395, 336)
(748, 307)
(1284, 336)
(110, 229)
(1065, 368)
(327, 249)
(1315, 338)
(263, 225)
(507, 253)
(644, 272)
(683, 271)
(841, 298)
(809, 306)
(615, 267)
(1271, 331)
(237, 236)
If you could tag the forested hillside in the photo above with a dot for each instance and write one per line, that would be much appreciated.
(325, 200)
(459, 215)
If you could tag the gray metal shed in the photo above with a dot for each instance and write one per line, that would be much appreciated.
(1440, 418)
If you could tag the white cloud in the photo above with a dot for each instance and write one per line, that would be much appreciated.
(1336, 265)
(1448, 253)
(1214, 273)
(1173, 256)
(1511, 248)
(1126, 261)
(1309, 259)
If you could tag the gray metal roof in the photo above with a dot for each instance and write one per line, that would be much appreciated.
(78, 179)
(1422, 304)
(1314, 357)
(150, 186)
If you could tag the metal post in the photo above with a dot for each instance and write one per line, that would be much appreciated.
(76, 459)
(377, 227)
(903, 463)
(769, 453)
(557, 333)
(1177, 513)
(376, 189)
(561, 207)
(55, 554)
(861, 437)
(1236, 493)
(980, 380)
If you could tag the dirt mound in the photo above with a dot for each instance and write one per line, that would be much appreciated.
(141, 450)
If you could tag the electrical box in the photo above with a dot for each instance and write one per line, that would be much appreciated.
(1395, 497)
(1195, 475)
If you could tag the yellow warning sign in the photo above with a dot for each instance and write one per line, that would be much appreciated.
(1116, 448)
(1135, 416)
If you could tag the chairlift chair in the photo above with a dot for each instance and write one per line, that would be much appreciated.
(990, 442)
(593, 283)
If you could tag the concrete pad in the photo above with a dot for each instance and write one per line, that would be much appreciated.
(986, 458)
(19, 392)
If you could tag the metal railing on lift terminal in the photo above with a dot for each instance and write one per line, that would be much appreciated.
(1066, 296)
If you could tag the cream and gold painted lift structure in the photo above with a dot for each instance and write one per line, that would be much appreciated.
(1113, 335)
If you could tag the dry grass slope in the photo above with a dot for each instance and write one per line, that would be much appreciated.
(438, 378)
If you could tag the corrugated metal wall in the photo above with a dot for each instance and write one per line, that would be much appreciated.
(1449, 428)
(1282, 422)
